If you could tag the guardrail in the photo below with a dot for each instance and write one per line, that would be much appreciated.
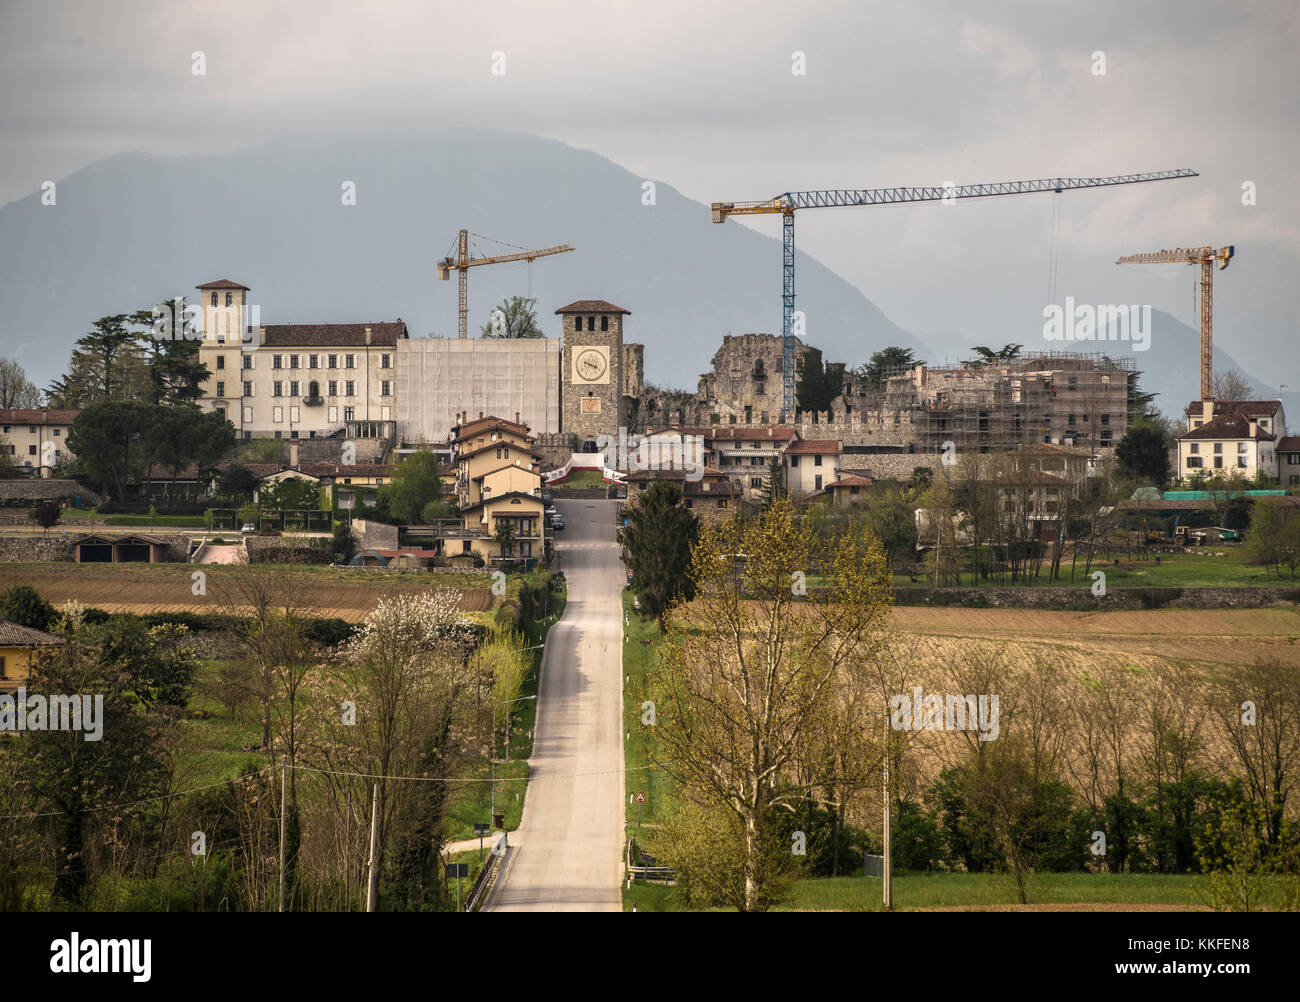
(487, 875)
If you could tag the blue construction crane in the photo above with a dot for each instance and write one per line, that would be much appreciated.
(791, 201)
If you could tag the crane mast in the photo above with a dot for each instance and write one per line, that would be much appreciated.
(791, 201)
(1207, 258)
(464, 261)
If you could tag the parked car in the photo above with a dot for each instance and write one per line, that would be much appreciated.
(248, 527)
(557, 522)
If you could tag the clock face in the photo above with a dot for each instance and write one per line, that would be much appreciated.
(590, 364)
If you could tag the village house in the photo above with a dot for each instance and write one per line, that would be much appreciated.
(36, 438)
(707, 492)
(811, 464)
(499, 490)
(1231, 436)
(19, 645)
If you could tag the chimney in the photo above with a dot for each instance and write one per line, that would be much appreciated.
(367, 337)
(293, 453)
(516, 417)
(1207, 410)
(480, 415)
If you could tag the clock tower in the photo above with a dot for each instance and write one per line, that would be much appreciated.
(591, 370)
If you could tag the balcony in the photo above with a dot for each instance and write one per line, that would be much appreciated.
(313, 401)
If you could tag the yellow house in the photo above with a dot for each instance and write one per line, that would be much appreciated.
(18, 646)
(509, 495)
(485, 446)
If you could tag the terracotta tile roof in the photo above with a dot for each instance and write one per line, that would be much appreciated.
(811, 447)
(1233, 424)
(13, 635)
(1048, 449)
(471, 428)
(508, 466)
(852, 481)
(346, 470)
(36, 415)
(592, 306)
(707, 472)
(223, 283)
(44, 489)
(1252, 407)
(1289, 444)
(333, 335)
(499, 497)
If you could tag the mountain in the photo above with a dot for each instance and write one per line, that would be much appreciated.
(134, 229)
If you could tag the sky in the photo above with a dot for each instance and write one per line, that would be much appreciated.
(706, 98)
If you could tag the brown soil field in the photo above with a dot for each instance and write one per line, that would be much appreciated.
(142, 588)
(1216, 636)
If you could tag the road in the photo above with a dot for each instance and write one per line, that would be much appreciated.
(567, 852)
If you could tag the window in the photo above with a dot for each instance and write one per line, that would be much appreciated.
(31, 450)
(755, 482)
(1218, 462)
(221, 411)
(1105, 419)
(333, 387)
(817, 461)
(1293, 459)
(347, 413)
(349, 361)
(349, 389)
(275, 362)
(221, 361)
(31, 429)
(1193, 462)
(6, 429)
(1218, 448)
(230, 299)
(312, 361)
(591, 323)
(214, 299)
(577, 323)
(2, 668)
(794, 461)
(58, 432)
(221, 389)
(248, 388)
(384, 361)
(248, 361)
(275, 389)
(293, 388)
(465, 546)
(313, 390)
(383, 388)
(1243, 447)
(604, 323)
(1194, 448)
(293, 361)
(817, 485)
(334, 361)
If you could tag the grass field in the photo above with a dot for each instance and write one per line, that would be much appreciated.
(971, 891)
(348, 593)
(582, 480)
(641, 637)
(1200, 567)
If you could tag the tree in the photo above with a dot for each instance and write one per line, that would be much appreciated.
(46, 515)
(1231, 385)
(883, 364)
(16, 390)
(237, 482)
(658, 537)
(1144, 454)
(291, 494)
(172, 356)
(750, 668)
(987, 356)
(416, 481)
(344, 542)
(773, 483)
(819, 384)
(505, 536)
(106, 439)
(183, 434)
(514, 318)
(23, 605)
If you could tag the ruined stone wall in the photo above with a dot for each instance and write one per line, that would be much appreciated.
(746, 372)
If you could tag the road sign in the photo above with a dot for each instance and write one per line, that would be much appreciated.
(482, 829)
(640, 798)
(457, 870)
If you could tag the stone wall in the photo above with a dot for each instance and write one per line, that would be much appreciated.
(59, 548)
(555, 448)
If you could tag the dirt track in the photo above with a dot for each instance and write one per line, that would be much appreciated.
(140, 588)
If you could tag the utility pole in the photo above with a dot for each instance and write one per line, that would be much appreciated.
(282, 802)
(347, 857)
(887, 864)
(372, 878)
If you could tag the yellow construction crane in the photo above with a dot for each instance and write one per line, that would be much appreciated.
(1206, 257)
(463, 262)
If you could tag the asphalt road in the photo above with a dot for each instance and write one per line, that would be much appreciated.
(567, 852)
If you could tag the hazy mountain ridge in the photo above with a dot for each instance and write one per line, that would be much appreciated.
(135, 228)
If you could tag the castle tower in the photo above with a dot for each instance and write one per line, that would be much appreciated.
(591, 369)
(222, 311)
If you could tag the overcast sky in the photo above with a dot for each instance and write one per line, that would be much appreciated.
(702, 96)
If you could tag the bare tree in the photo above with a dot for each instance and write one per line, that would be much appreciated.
(16, 390)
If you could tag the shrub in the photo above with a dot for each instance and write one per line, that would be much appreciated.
(329, 632)
(23, 605)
